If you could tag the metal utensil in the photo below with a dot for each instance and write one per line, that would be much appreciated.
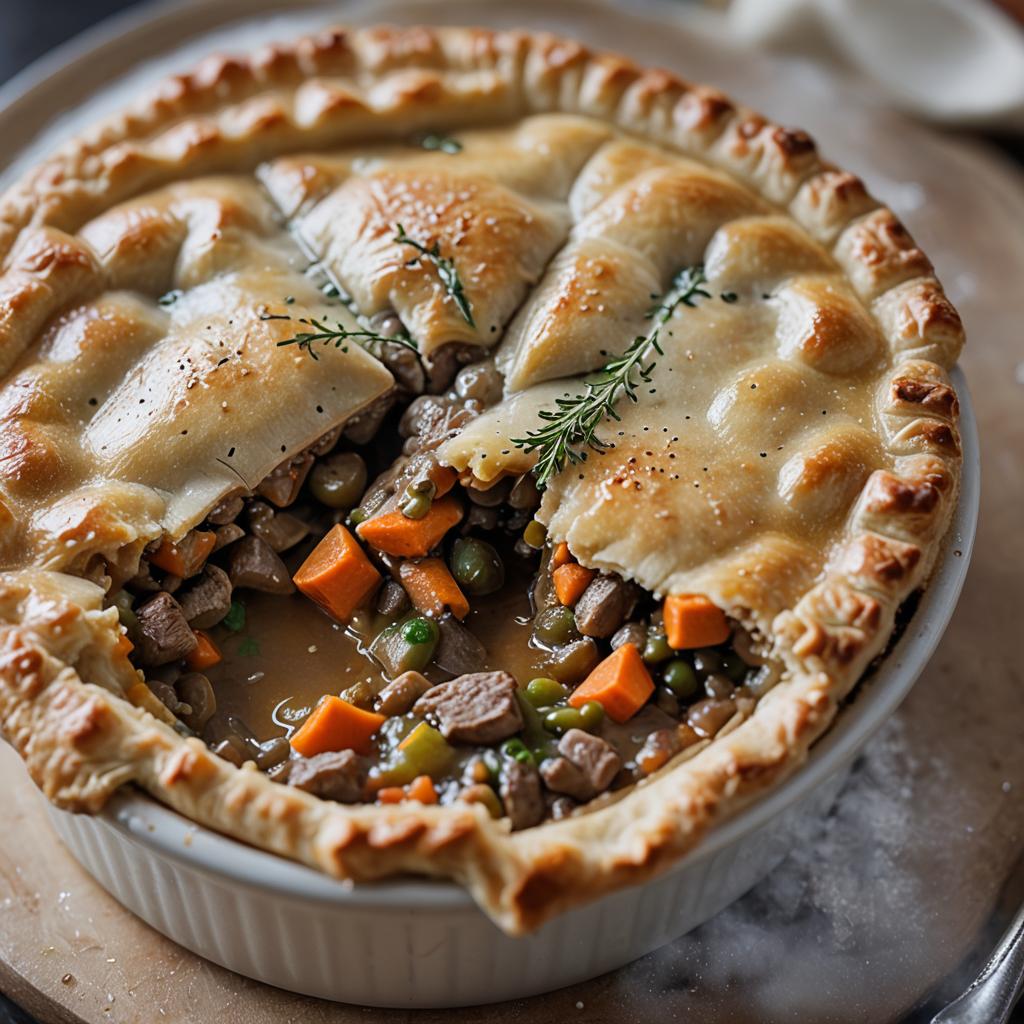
(992, 995)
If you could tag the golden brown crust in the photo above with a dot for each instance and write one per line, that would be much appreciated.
(81, 739)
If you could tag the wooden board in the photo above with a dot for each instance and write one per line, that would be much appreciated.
(883, 899)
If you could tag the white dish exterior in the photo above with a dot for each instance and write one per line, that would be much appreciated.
(426, 944)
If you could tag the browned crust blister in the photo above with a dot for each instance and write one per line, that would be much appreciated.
(81, 741)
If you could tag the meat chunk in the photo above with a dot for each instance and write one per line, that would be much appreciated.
(480, 707)
(604, 606)
(282, 485)
(392, 599)
(659, 747)
(226, 511)
(164, 634)
(521, 794)
(587, 766)
(634, 633)
(363, 428)
(458, 650)
(255, 564)
(207, 600)
(227, 534)
(281, 530)
(402, 692)
(335, 775)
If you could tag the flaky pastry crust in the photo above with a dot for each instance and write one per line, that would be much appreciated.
(113, 215)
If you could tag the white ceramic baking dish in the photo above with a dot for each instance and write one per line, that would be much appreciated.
(425, 943)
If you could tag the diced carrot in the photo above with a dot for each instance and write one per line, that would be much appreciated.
(621, 684)
(204, 654)
(561, 555)
(336, 725)
(692, 620)
(185, 557)
(124, 646)
(337, 575)
(391, 795)
(432, 588)
(397, 534)
(570, 581)
(422, 789)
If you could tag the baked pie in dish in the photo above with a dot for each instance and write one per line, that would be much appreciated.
(455, 452)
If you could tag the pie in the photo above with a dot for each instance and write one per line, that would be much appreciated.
(455, 452)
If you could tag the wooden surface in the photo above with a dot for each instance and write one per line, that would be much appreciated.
(882, 900)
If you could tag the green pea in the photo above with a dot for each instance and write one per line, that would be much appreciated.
(477, 567)
(555, 626)
(562, 720)
(543, 691)
(535, 534)
(734, 667)
(339, 480)
(399, 654)
(657, 650)
(427, 488)
(420, 631)
(417, 507)
(517, 750)
(357, 516)
(591, 715)
(680, 678)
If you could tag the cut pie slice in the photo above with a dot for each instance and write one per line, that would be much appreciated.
(455, 452)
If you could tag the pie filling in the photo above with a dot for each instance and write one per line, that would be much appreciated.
(370, 627)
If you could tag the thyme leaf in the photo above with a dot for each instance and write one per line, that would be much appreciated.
(571, 427)
(446, 270)
(337, 334)
(443, 143)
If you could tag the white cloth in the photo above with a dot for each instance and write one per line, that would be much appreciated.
(956, 61)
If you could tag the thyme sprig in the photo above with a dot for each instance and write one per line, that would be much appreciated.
(571, 427)
(338, 335)
(446, 271)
